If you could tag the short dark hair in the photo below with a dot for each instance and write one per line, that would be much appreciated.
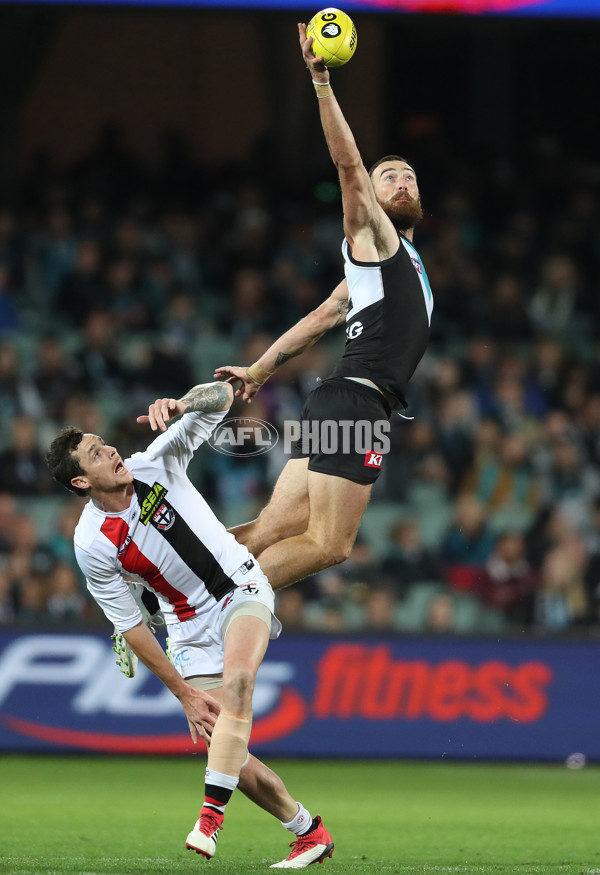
(62, 462)
(387, 158)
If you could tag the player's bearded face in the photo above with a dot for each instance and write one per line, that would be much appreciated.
(404, 210)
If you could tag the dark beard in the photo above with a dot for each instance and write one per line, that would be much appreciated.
(404, 214)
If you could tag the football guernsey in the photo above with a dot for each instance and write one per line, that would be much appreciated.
(387, 324)
(168, 538)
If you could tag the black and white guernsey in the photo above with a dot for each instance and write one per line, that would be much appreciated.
(389, 314)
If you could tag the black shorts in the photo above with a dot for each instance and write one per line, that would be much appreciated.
(344, 430)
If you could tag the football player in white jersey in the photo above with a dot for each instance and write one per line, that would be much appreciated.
(317, 504)
(146, 522)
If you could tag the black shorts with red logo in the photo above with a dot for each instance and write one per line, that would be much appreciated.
(344, 430)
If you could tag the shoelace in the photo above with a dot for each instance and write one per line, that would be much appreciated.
(213, 822)
(301, 841)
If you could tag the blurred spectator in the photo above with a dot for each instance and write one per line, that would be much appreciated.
(555, 300)
(406, 560)
(289, 608)
(162, 368)
(28, 563)
(54, 377)
(440, 614)
(507, 581)
(507, 311)
(23, 469)
(592, 571)
(7, 602)
(65, 601)
(10, 319)
(379, 609)
(468, 540)
(18, 394)
(505, 481)
(82, 289)
(60, 542)
(122, 297)
(457, 418)
(561, 600)
(248, 312)
(99, 363)
(570, 482)
(53, 254)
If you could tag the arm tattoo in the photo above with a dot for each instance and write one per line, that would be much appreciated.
(342, 308)
(206, 398)
(283, 357)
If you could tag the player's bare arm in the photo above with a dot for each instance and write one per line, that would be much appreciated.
(204, 398)
(200, 708)
(369, 231)
(306, 332)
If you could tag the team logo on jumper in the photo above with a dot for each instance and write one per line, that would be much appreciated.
(249, 588)
(164, 517)
(152, 503)
(124, 545)
(331, 30)
(418, 266)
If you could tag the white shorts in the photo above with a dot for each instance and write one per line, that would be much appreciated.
(197, 645)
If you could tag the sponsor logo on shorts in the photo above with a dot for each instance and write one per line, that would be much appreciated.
(373, 460)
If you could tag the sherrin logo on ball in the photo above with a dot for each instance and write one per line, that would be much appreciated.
(334, 36)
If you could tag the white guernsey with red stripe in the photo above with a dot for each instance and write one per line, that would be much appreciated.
(168, 538)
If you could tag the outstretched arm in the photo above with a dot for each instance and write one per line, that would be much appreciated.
(369, 231)
(204, 398)
(301, 336)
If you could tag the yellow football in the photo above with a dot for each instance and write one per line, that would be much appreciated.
(334, 36)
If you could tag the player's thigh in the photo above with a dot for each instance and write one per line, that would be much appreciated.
(336, 508)
(286, 514)
(246, 643)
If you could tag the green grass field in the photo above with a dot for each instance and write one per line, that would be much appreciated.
(111, 816)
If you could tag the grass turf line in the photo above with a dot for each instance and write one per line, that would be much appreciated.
(111, 816)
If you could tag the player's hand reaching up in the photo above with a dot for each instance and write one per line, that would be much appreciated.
(317, 68)
(201, 711)
(161, 411)
(233, 374)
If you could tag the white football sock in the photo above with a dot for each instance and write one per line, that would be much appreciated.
(300, 823)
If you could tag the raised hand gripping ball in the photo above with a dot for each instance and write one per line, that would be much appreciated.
(334, 36)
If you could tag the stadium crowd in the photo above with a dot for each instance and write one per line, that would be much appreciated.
(121, 282)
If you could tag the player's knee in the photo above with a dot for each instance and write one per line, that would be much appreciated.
(338, 551)
(274, 525)
(240, 686)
